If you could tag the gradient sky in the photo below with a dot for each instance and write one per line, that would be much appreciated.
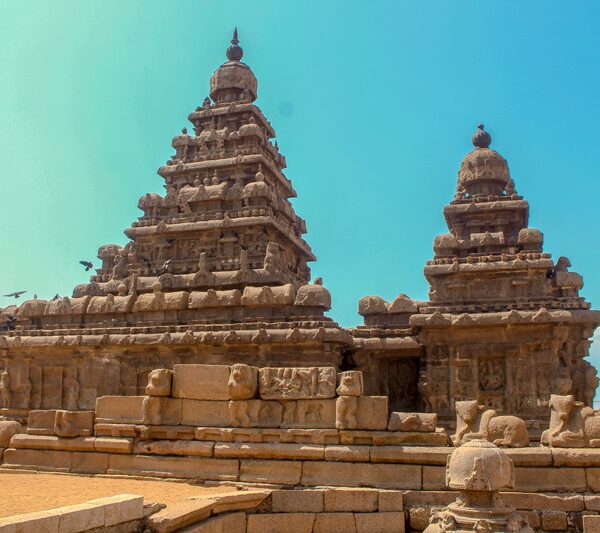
(374, 104)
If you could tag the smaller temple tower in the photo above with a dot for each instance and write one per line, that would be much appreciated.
(504, 323)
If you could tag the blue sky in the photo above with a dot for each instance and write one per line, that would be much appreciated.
(374, 104)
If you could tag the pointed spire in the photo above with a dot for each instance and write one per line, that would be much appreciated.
(481, 138)
(235, 52)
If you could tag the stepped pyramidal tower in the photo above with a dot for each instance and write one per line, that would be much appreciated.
(215, 271)
(504, 323)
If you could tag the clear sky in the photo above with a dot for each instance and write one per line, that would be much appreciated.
(374, 104)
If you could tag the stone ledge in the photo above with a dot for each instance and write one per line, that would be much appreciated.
(93, 514)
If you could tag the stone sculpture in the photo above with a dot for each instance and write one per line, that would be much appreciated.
(8, 428)
(159, 382)
(243, 382)
(350, 383)
(478, 470)
(474, 421)
(572, 424)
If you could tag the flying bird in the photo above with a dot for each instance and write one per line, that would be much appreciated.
(16, 294)
(87, 264)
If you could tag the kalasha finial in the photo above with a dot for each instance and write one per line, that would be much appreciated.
(235, 52)
(481, 138)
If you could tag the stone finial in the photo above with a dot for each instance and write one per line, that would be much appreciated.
(481, 138)
(235, 52)
(478, 470)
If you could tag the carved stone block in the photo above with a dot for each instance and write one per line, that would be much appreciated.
(297, 383)
(158, 411)
(423, 422)
(159, 382)
(201, 382)
(74, 423)
(243, 382)
(256, 413)
(308, 414)
(572, 425)
(350, 383)
(361, 412)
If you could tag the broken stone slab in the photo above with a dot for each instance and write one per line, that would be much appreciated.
(73, 423)
(201, 382)
(297, 383)
(256, 413)
(421, 422)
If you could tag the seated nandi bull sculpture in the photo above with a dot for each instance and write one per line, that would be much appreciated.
(572, 424)
(474, 421)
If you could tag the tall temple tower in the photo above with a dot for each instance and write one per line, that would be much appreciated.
(504, 324)
(216, 271)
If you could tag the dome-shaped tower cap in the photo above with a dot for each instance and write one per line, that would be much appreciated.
(233, 81)
(481, 138)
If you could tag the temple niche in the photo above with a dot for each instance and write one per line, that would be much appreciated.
(504, 323)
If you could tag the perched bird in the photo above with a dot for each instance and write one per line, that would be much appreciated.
(87, 264)
(57, 297)
(166, 267)
(16, 294)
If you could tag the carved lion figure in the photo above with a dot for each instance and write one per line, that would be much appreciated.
(243, 382)
(159, 382)
(474, 421)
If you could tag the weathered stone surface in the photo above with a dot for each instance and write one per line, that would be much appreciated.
(423, 455)
(275, 472)
(120, 409)
(204, 413)
(379, 522)
(158, 411)
(347, 453)
(316, 473)
(44, 460)
(89, 463)
(542, 502)
(412, 422)
(73, 423)
(175, 447)
(575, 457)
(41, 422)
(121, 508)
(419, 517)
(591, 524)
(46, 442)
(281, 523)
(297, 501)
(554, 520)
(390, 501)
(41, 521)
(227, 523)
(201, 382)
(550, 479)
(243, 382)
(434, 477)
(350, 500)
(270, 451)
(364, 412)
(8, 428)
(334, 523)
(113, 445)
(296, 383)
(180, 467)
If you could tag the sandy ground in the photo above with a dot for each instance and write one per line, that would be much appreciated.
(26, 492)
